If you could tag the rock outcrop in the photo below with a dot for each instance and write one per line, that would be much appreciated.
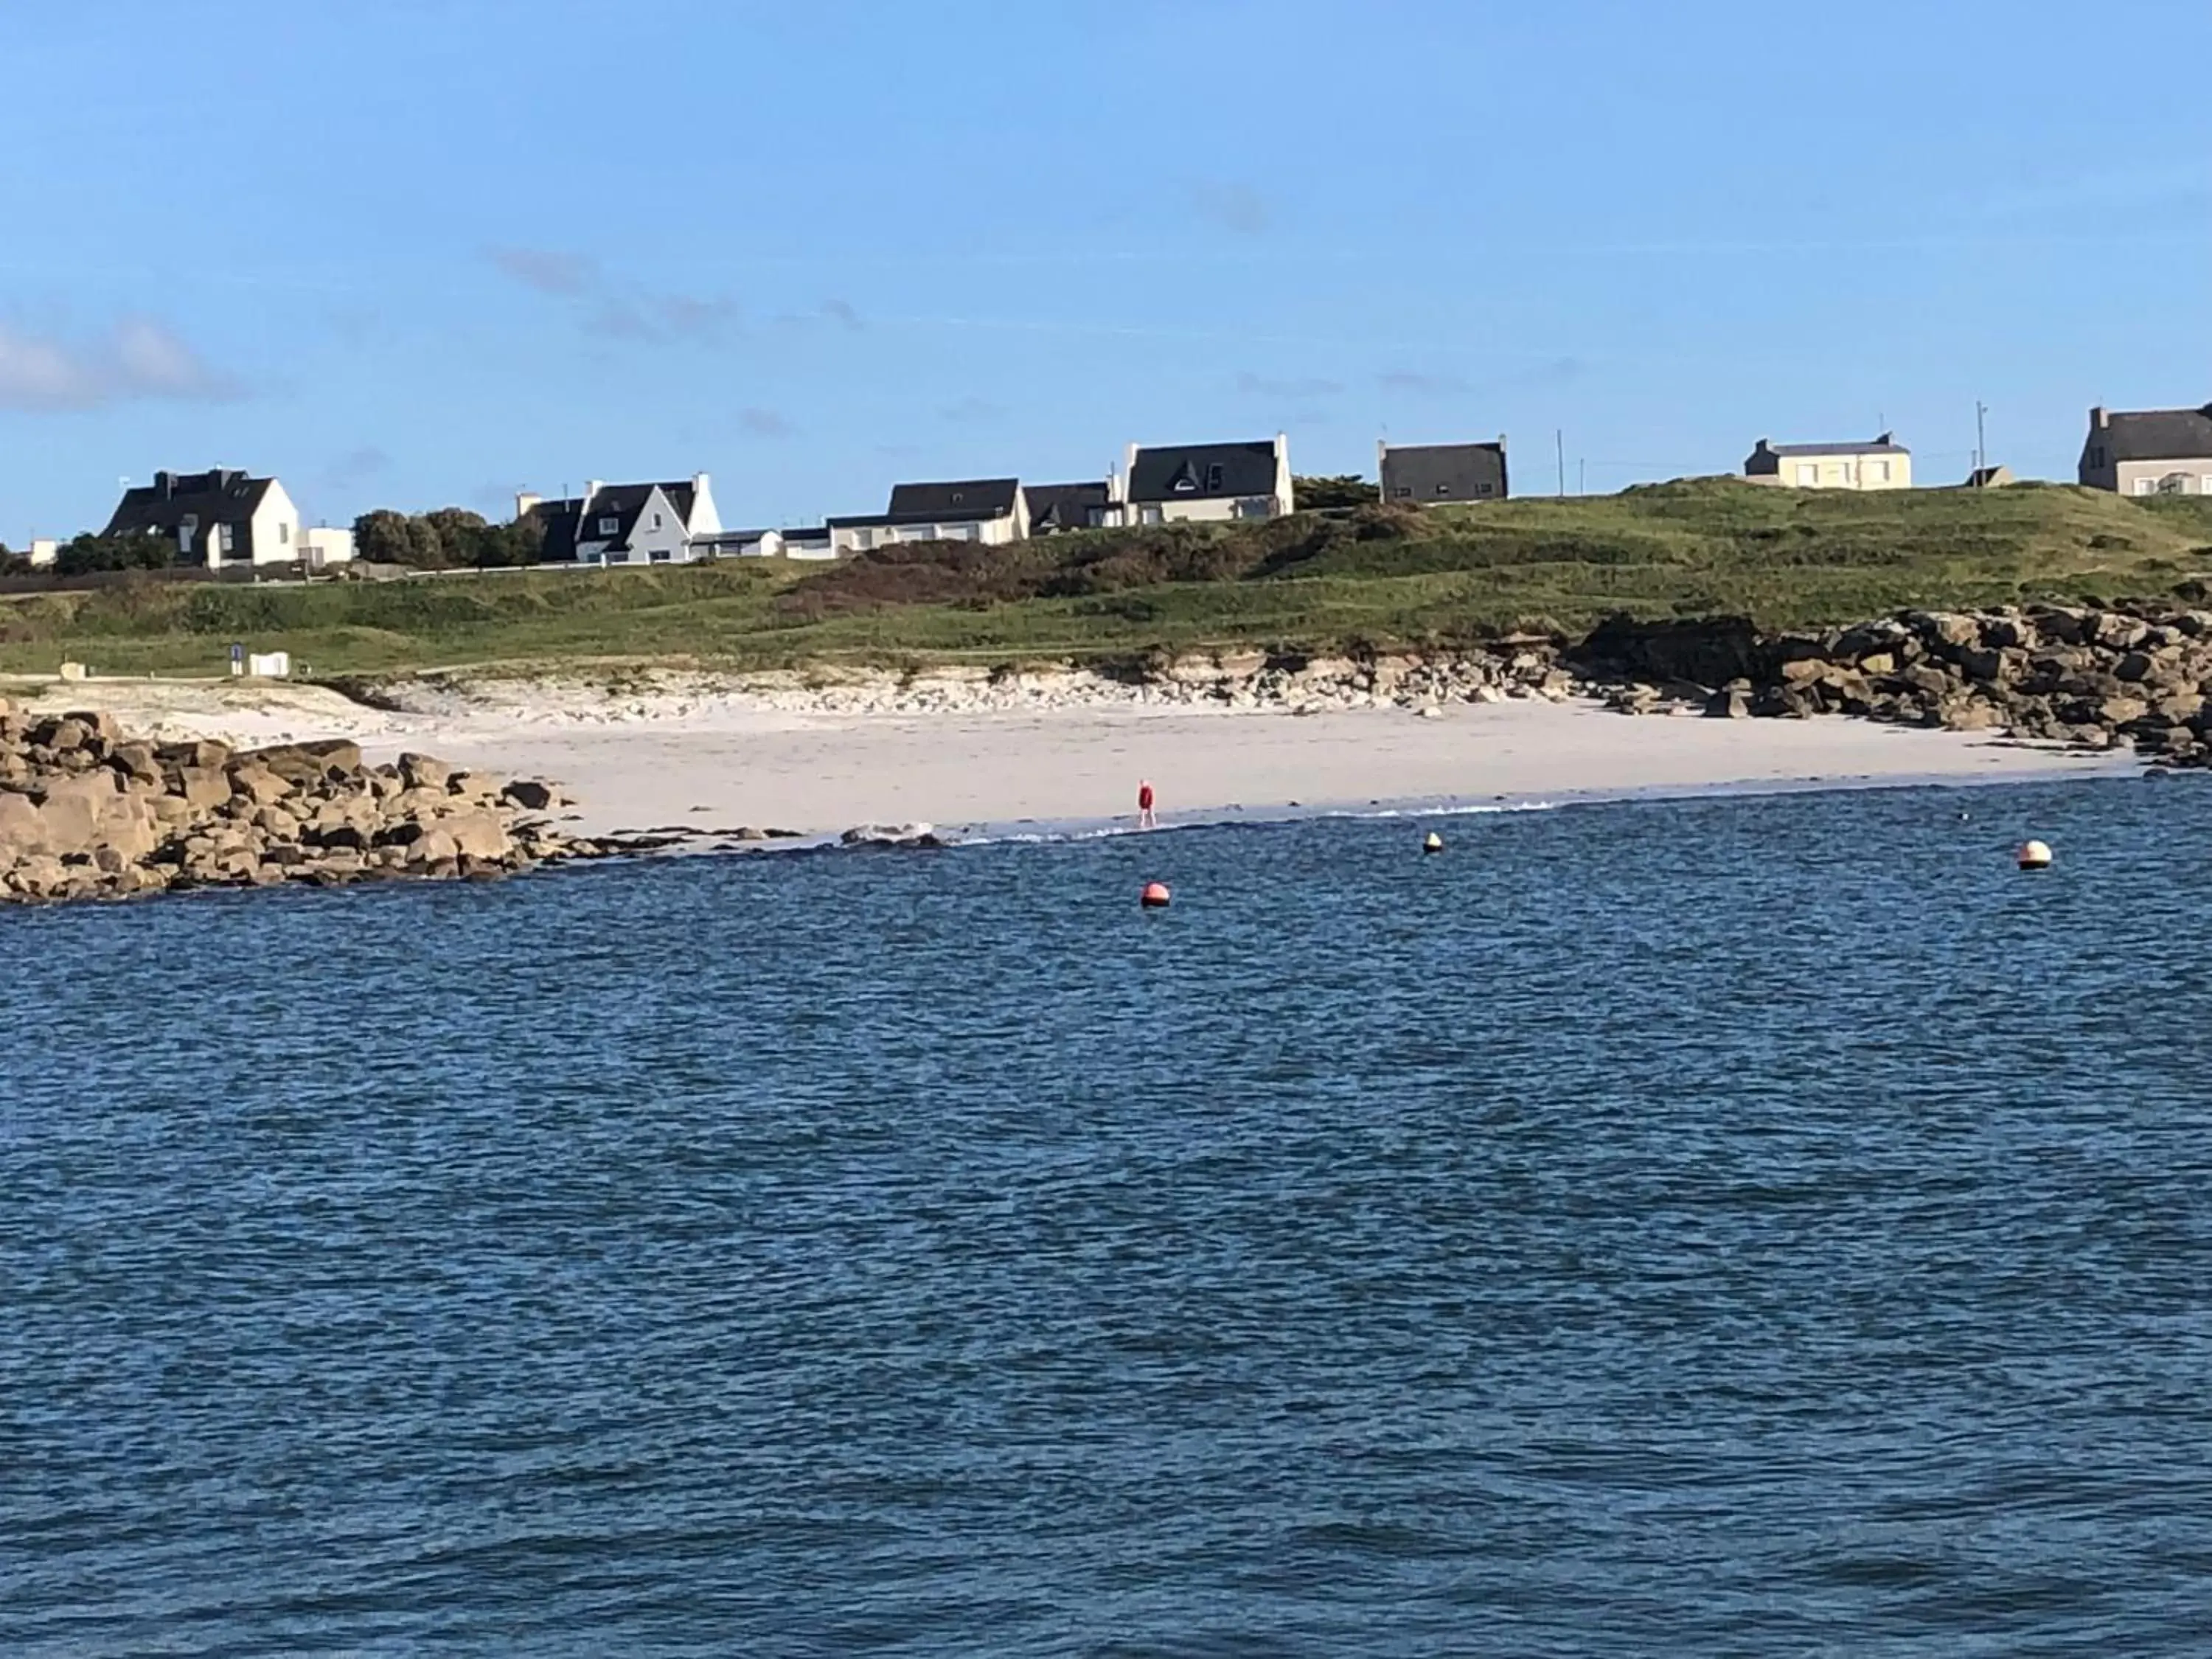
(86, 811)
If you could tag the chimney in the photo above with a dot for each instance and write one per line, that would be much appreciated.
(525, 504)
(2099, 418)
(166, 483)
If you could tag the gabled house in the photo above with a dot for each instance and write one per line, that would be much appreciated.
(993, 511)
(1195, 482)
(1885, 463)
(216, 518)
(626, 524)
(1056, 507)
(1426, 475)
(2150, 452)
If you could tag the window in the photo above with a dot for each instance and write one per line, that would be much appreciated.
(284, 535)
(1213, 476)
(660, 556)
(225, 539)
(656, 522)
(2206, 488)
(2144, 486)
(1880, 470)
(610, 526)
(1443, 489)
(1148, 515)
(1807, 475)
(959, 497)
(1483, 489)
(1402, 491)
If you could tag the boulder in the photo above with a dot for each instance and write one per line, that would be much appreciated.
(532, 795)
(136, 760)
(257, 784)
(202, 788)
(208, 756)
(478, 835)
(308, 762)
(424, 772)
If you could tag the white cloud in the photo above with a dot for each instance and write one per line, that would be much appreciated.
(136, 358)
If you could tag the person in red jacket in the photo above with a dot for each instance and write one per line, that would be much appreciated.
(1146, 819)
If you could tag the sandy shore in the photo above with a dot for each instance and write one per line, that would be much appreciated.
(792, 759)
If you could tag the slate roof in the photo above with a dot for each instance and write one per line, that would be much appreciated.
(1187, 472)
(963, 499)
(2157, 434)
(1443, 472)
(1064, 507)
(1885, 444)
(565, 525)
(218, 497)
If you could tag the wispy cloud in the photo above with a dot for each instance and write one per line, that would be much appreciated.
(1261, 386)
(968, 411)
(610, 309)
(1236, 208)
(136, 358)
(764, 423)
(547, 270)
(1422, 385)
(356, 466)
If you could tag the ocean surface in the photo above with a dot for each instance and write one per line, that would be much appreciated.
(1737, 1227)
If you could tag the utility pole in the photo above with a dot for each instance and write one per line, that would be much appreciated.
(1981, 435)
(1581, 475)
(1559, 437)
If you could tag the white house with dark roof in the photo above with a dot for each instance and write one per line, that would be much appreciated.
(219, 517)
(1885, 463)
(2150, 452)
(1054, 508)
(1435, 475)
(627, 524)
(993, 511)
(1199, 482)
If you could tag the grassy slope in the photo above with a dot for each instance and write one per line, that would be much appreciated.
(1785, 557)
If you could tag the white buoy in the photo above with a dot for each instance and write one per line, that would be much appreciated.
(1435, 843)
(2034, 855)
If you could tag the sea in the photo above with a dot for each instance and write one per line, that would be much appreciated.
(1736, 1225)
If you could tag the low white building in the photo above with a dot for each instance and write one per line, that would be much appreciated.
(993, 511)
(1201, 481)
(671, 523)
(322, 546)
(216, 518)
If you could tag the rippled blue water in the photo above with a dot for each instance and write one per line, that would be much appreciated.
(1737, 1226)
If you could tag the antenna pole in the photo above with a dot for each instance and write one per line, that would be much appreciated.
(1559, 437)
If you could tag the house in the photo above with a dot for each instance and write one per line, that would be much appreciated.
(2150, 452)
(626, 524)
(1054, 508)
(43, 551)
(1425, 474)
(993, 511)
(1990, 477)
(216, 518)
(320, 546)
(1885, 463)
(1207, 482)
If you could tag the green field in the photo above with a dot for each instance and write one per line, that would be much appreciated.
(1378, 578)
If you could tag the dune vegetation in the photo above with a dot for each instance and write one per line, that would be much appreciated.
(1367, 577)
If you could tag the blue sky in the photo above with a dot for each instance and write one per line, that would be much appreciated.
(427, 251)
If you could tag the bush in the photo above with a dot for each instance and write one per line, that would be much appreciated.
(88, 553)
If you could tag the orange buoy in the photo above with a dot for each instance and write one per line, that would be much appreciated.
(1156, 896)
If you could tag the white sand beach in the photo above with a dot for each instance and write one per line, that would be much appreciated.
(713, 755)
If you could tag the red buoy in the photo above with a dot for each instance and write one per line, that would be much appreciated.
(1156, 896)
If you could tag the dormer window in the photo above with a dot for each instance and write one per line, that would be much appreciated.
(1213, 476)
(610, 526)
(959, 496)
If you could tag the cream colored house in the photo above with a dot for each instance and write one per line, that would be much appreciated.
(1884, 463)
(2150, 452)
(992, 511)
(1197, 481)
(216, 518)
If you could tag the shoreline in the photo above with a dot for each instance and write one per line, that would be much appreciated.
(706, 758)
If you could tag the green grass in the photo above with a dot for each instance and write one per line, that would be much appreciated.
(1380, 578)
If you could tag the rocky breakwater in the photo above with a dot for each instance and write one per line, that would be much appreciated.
(87, 812)
(2089, 678)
